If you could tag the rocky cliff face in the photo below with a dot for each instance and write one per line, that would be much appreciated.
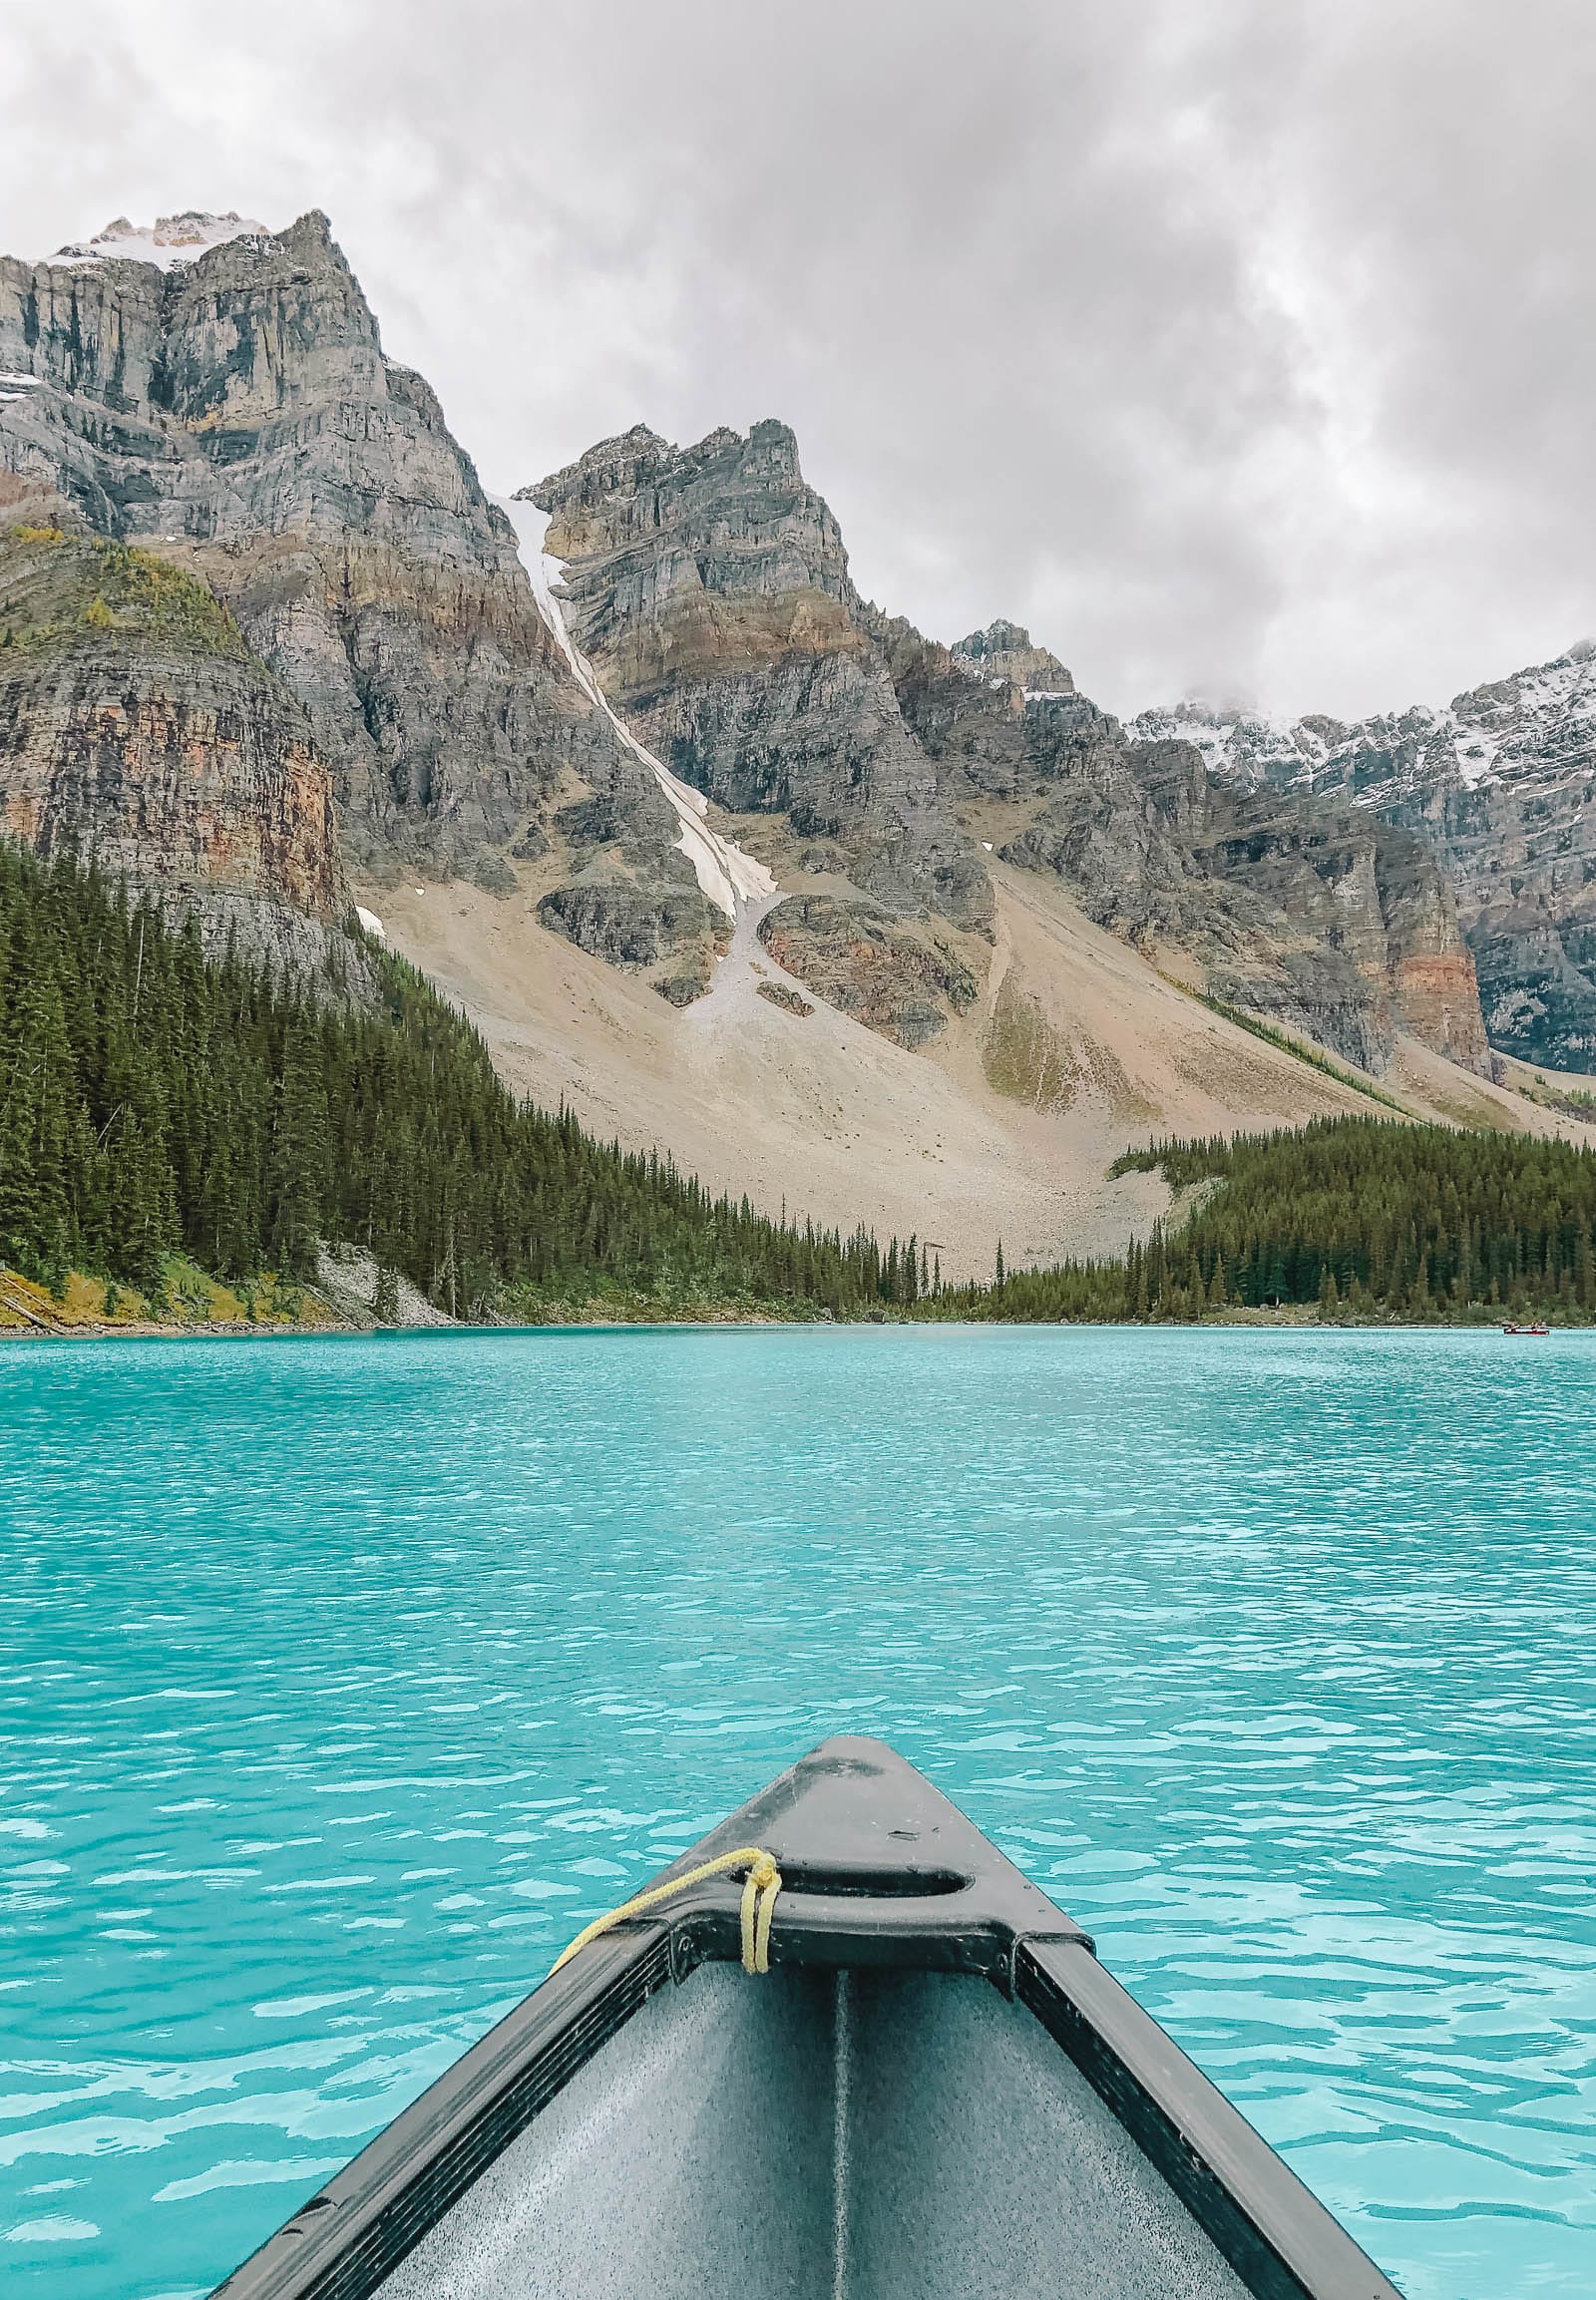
(1004, 656)
(1327, 921)
(1500, 784)
(1335, 926)
(137, 727)
(219, 394)
(237, 412)
(709, 587)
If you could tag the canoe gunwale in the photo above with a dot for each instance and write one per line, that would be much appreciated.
(1280, 2240)
(852, 1815)
(355, 2231)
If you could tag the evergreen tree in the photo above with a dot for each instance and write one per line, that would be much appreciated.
(38, 1113)
(153, 1099)
(299, 1170)
(1406, 1221)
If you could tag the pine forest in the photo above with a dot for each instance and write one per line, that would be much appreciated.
(159, 1104)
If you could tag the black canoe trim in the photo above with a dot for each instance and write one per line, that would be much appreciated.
(355, 2231)
(885, 1871)
(1276, 2235)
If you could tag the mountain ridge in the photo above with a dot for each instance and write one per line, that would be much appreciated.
(715, 845)
(1502, 783)
(710, 586)
(235, 412)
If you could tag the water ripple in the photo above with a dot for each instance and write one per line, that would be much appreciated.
(345, 1679)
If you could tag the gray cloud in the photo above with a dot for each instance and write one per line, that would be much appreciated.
(1238, 344)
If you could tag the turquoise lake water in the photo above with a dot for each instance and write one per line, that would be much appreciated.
(344, 1680)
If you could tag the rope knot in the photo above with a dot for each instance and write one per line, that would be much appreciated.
(760, 1887)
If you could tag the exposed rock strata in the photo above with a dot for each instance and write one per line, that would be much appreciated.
(1327, 921)
(629, 925)
(1332, 925)
(895, 977)
(237, 412)
(709, 588)
(1501, 784)
(219, 394)
(137, 728)
(1003, 653)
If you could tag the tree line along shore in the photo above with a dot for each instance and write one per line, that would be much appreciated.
(191, 1139)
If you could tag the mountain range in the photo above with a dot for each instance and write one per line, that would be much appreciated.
(1500, 785)
(712, 847)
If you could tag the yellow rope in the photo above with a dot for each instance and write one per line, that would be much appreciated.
(760, 1887)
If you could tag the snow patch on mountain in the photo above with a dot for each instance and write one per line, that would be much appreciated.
(1535, 719)
(1235, 745)
(169, 240)
(728, 877)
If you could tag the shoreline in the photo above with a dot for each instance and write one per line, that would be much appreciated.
(1291, 1321)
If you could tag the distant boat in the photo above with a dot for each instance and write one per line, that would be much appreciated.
(1508, 1327)
(925, 2086)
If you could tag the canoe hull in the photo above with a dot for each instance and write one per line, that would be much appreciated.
(935, 2089)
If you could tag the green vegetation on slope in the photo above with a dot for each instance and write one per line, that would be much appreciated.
(153, 1100)
(1354, 1215)
(155, 1103)
(61, 591)
(1303, 1049)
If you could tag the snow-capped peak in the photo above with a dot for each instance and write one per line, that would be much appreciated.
(171, 239)
(1536, 721)
(1239, 745)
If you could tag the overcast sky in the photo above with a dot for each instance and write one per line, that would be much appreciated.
(1245, 346)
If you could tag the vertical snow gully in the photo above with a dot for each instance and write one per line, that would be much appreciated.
(729, 878)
